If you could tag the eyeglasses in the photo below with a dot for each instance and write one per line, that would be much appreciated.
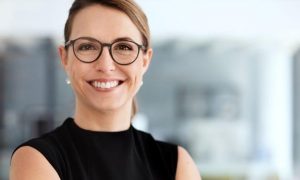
(88, 50)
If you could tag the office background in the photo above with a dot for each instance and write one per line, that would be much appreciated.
(224, 81)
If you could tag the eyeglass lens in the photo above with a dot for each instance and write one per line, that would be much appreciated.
(88, 50)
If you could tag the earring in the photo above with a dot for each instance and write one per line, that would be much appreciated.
(68, 81)
(141, 83)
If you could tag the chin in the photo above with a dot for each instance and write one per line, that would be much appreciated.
(115, 104)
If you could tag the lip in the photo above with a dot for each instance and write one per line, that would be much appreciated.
(105, 79)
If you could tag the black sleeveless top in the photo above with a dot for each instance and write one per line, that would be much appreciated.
(78, 154)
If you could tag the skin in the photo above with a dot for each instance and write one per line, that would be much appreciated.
(114, 111)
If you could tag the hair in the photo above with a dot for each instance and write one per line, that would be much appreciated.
(129, 7)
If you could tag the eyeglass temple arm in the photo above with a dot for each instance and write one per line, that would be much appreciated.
(67, 44)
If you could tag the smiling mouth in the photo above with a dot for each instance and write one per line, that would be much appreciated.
(105, 85)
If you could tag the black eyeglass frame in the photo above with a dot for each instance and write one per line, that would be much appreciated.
(102, 45)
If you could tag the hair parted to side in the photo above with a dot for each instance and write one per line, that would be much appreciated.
(129, 7)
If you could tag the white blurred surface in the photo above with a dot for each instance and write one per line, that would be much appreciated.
(203, 18)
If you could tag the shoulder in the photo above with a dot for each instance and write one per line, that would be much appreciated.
(175, 157)
(148, 140)
(161, 155)
(169, 151)
(29, 163)
(41, 156)
(180, 161)
(186, 168)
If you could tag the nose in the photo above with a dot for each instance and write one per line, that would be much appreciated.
(105, 62)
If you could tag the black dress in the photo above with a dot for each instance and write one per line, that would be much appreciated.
(78, 154)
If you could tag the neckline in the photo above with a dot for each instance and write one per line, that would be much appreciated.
(70, 121)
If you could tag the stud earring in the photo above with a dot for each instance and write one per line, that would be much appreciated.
(68, 81)
(141, 83)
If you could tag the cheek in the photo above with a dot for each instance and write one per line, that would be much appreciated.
(71, 70)
(137, 72)
(137, 75)
(77, 71)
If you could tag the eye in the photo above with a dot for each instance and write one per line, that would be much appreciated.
(123, 47)
(87, 47)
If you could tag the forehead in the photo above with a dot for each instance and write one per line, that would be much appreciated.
(104, 23)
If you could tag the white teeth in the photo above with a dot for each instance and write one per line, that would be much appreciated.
(105, 85)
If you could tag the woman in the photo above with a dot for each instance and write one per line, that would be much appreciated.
(106, 54)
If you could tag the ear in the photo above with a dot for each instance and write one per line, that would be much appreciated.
(147, 59)
(63, 54)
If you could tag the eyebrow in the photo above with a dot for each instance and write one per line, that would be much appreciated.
(123, 39)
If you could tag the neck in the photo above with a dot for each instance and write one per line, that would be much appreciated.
(110, 120)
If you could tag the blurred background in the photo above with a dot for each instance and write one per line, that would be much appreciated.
(224, 82)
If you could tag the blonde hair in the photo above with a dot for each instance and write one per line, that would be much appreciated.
(129, 7)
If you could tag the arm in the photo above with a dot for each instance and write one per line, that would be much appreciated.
(186, 168)
(29, 164)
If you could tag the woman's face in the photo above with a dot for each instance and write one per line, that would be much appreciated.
(104, 85)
